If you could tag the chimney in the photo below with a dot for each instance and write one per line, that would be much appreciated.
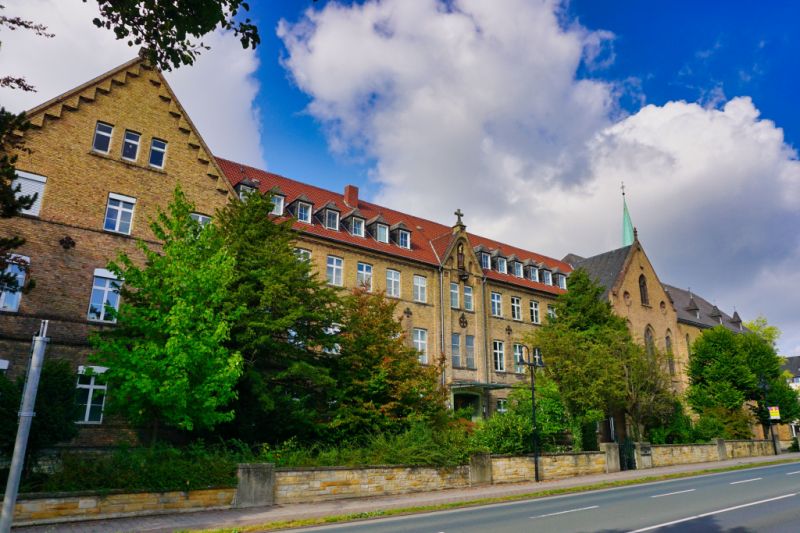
(351, 196)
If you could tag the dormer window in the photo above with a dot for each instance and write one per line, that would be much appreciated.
(546, 277)
(486, 260)
(304, 212)
(244, 190)
(561, 279)
(382, 233)
(518, 269)
(404, 239)
(533, 274)
(277, 204)
(332, 219)
(357, 227)
(502, 267)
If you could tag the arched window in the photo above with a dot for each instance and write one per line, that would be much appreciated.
(643, 290)
(670, 356)
(649, 341)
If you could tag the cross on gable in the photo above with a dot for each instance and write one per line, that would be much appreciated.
(459, 214)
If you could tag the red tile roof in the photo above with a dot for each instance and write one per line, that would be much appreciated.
(429, 240)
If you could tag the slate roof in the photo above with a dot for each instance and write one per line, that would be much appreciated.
(604, 268)
(429, 240)
(683, 299)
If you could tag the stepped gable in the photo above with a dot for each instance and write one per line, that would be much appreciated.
(687, 302)
(429, 240)
(604, 268)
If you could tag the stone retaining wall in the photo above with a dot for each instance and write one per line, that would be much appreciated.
(319, 484)
(748, 448)
(513, 469)
(681, 454)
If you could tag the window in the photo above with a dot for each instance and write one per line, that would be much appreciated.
(497, 304)
(468, 298)
(533, 274)
(649, 341)
(501, 406)
(277, 204)
(10, 296)
(404, 239)
(518, 269)
(332, 219)
(455, 348)
(30, 184)
(469, 345)
(358, 227)
(335, 270)
(130, 145)
(519, 359)
(534, 311)
(643, 291)
(454, 295)
(91, 394)
(158, 151)
(364, 276)
(499, 356)
(516, 308)
(200, 219)
(244, 190)
(562, 281)
(420, 289)
(304, 212)
(104, 301)
(670, 355)
(119, 213)
(502, 267)
(486, 261)
(102, 137)
(551, 312)
(420, 339)
(303, 254)
(382, 233)
(3, 366)
(546, 277)
(393, 283)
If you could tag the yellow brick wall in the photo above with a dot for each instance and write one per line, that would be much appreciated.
(679, 454)
(515, 469)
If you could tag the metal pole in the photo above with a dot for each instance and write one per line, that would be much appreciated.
(26, 415)
(535, 429)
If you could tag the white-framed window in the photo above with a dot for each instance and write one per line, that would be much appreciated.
(245, 190)
(30, 184)
(357, 226)
(102, 137)
(303, 254)
(551, 312)
(546, 277)
(516, 308)
(3, 366)
(454, 295)
(334, 270)
(499, 355)
(277, 204)
(364, 276)
(561, 279)
(518, 269)
(502, 266)
(534, 311)
(468, 305)
(130, 145)
(392, 283)
(382, 233)
(404, 239)
(10, 296)
(519, 358)
(91, 394)
(420, 340)
(105, 296)
(469, 348)
(332, 219)
(119, 213)
(455, 349)
(158, 152)
(501, 406)
(486, 261)
(420, 289)
(497, 304)
(304, 212)
(533, 274)
(200, 218)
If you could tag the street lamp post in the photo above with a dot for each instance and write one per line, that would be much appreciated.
(764, 389)
(535, 361)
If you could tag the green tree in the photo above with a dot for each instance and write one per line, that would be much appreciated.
(760, 326)
(287, 332)
(168, 358)
(380, 385)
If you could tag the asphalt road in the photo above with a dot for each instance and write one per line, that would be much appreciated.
(759, 500)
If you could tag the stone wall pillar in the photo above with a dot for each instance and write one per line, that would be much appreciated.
(644, 455)
(776, 442)
(722, 451)
(256, 486)
(612, 456)
(480, 469)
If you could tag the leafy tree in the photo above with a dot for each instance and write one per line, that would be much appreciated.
(286, 332)
(168, 358)
(380, 384)
(649, 398)
(760, 326)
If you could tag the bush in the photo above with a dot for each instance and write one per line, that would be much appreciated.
(678, 429)
(505, 433)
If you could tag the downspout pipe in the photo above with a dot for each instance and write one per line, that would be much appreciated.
(441, 323)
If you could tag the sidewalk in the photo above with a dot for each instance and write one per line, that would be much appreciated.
(242, 517)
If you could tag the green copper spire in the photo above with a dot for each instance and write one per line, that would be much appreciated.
(627, 224)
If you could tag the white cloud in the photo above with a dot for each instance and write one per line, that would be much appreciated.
(476, 105)
(218, 91)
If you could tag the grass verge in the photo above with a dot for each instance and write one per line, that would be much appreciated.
(384, 513)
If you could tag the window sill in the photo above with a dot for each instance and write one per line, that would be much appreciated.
(82, 423)
(127, 162)
(464, 368)
(117, 233)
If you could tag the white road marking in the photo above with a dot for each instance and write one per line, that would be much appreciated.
(671, 493)
(793, 473)
(665, 524)
(565, 512)
(745, 481)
